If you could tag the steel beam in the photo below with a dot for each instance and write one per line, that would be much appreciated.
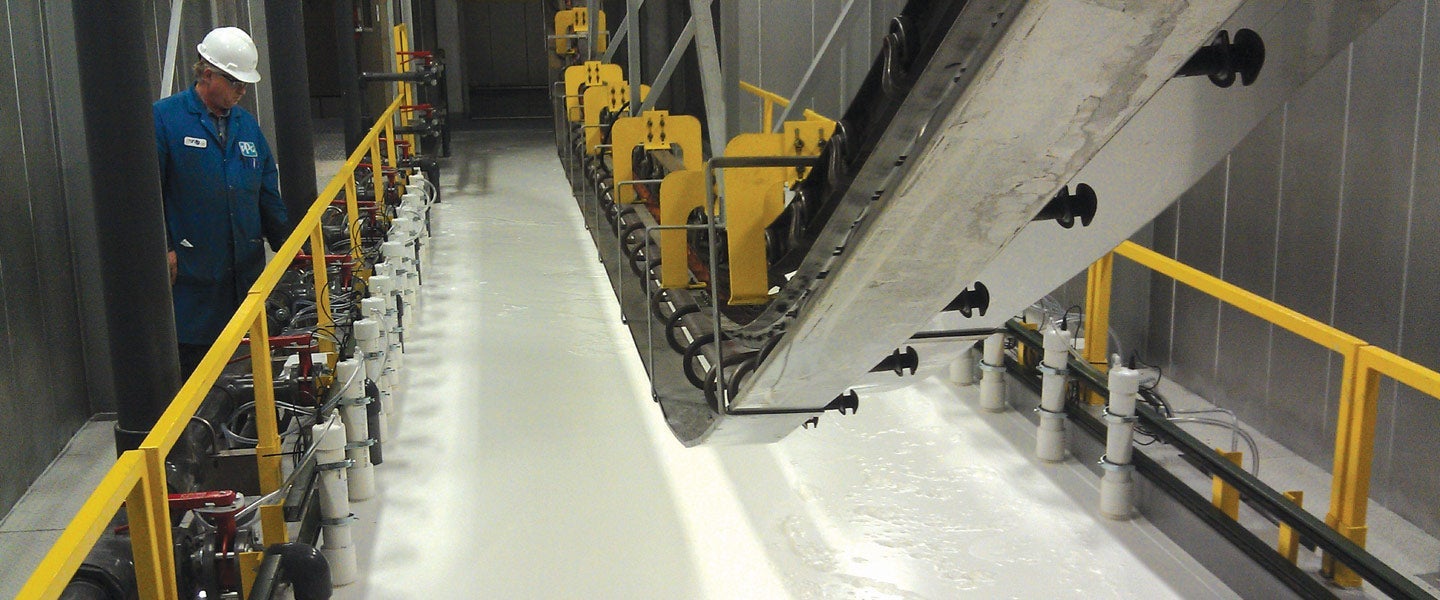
(667, 69)
(712, 81)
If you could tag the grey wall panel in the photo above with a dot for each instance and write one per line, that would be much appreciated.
(1158, 341)
(1196, 315)
(1304, 388)
(1243, 361)
(42, 376)
(1352, 229)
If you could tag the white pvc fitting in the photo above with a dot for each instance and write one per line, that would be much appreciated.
(1124, 387)
(992, 378)
(1117, 484)
(1050, 440)
(396, 251)
(330, 450)
(382, 268)
(343, 570)
(373, 308)
(962, 371)
(361, 476)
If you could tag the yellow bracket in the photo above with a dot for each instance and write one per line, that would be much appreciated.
(1223, 495)
(755, 197)
(680, 193)
(577, 20)
(592, 74)
(654, 130)
(615, 97)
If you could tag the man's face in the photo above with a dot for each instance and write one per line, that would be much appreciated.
(220, 91)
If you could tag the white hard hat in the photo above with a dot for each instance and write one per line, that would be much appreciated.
(232, 51)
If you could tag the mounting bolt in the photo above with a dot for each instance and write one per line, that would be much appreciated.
(1222, 60)
(1065, 207)
(970, 300)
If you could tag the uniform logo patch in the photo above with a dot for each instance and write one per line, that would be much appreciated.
(195, 142)
(248, 149)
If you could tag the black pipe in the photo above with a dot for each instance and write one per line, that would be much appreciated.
(130, 220)
(349, 66)
(290, 87)
(1257, 493)
(300, 564)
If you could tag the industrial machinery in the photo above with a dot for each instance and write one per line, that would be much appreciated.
(334, 362)
(757, 262)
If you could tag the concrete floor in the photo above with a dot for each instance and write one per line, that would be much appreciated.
(528, 460)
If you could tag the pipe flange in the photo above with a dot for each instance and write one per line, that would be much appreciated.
(984, 366)
(1054, 413)
(1105, 464)
(1114, 418)
(1049, 370)
(345, 520)
(343, 464)
(365, 443)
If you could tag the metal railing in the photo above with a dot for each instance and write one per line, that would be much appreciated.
(137, 479)
(1363, 367)
(767, 107)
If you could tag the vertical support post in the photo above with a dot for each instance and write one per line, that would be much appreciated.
(390, 143)
(1223, 495)
(1097, 317)
(325, 316)
(632, 49)
(592, 25)
(377, 177)
(352, 210)
(767, 115)
(712, 82)
(1354, 454)
(1289, 543)
(267, 450)
(149, 512)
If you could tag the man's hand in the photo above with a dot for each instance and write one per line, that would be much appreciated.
(174, 265)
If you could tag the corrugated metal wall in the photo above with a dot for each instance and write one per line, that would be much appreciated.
(1328, 207)
(42, 372)
(771, 44)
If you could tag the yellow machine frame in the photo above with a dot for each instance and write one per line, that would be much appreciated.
(577, 20)
(591, 74)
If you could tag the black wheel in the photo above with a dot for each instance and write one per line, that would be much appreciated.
(712, 378)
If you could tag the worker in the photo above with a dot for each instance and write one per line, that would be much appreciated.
(221, 192)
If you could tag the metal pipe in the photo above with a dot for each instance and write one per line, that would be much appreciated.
(349, 66)
(290, 81)
(130, 232)
(1257, 493)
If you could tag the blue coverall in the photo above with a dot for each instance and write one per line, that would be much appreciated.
(219, 200)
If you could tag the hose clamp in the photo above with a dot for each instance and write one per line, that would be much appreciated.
(361, 401)
(1055, 413)
(1049, 370)
(365, 443)
(374, 355)
(1105, 464)
(984, 366)
(343, 464)
(1114, 418)
(350, 518)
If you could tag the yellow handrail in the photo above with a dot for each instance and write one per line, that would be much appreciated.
(1362, 368)
(137, 478)
(767, 108)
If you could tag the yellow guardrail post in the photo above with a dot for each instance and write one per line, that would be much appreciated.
(1289, 542)
(1097, 317)
(148, 510)
(267, 449)
(1349, 421)
(352, 209)
(325, 318)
